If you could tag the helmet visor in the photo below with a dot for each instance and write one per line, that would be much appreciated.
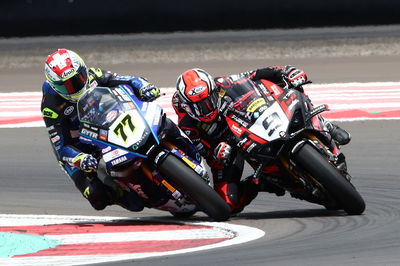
(207, 106)
(72, 85)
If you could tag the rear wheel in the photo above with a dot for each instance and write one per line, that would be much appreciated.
(187, 181)
(325, 173)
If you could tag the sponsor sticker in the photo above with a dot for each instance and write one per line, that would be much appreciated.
(256, 104)
(197, 90)
(111, 116)
(69, 110)
(119, 160)
(55, 139)
(237, 130)
(275, 89)
(67, 73)
(47, 112)
(89, 133)
(109, 156)
(107, 149)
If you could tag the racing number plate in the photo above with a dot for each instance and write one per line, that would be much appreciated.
(127, 129)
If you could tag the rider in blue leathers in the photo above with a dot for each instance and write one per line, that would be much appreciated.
(67, 78)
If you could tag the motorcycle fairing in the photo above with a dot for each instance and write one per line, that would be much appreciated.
(126, 123)
(268, 117)
(151, 112)
(287, 99)
(271, 123)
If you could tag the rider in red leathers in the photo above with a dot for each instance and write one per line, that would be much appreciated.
(198, 106)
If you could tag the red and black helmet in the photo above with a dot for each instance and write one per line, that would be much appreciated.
(197, 92)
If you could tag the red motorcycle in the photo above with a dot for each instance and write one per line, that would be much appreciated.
(282, 136)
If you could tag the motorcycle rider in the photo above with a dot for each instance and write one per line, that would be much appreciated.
(198, 107)
(67, 78)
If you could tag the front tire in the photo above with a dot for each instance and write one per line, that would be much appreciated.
(195, 187)
(325, 173)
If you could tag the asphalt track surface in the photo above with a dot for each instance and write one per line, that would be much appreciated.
(297, 233)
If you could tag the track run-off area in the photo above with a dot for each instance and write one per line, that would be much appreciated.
(76, 240)
(347, 101)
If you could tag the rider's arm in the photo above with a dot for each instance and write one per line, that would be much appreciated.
(188, 126)
(142, 88)
(288, 74)
(63, 136)
(202, 143)
(272, 73)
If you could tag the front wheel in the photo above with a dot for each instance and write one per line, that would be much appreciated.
(187, 181)
(325, 173)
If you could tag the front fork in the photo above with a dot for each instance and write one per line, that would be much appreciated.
(332, 154)
(290, 166)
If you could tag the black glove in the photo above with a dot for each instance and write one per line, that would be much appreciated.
(295, 76)
(223, 151)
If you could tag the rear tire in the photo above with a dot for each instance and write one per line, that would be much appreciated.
(186, 180)
(325, 173)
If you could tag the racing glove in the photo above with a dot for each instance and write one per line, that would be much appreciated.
(149, 93)
(295, 76)
(222, 152)
(86, 162)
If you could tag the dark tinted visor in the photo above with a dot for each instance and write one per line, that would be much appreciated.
(206, 106)
(72, 85)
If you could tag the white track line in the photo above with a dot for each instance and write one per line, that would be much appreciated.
(237, 234)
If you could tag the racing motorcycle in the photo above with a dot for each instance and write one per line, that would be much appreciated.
(140, 155)
(282, 136)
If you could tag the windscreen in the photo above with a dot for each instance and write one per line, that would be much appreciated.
(243, 94)
(99, 106)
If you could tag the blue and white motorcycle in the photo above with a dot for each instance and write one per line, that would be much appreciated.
(140, 155)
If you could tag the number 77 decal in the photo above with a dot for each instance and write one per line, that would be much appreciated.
(126, 122)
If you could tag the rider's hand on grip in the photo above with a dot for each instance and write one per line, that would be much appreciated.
(149, 93)
(223, 151)
(86, 162)
(295, 76)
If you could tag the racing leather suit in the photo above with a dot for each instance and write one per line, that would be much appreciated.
(61, 119)
(206, 136)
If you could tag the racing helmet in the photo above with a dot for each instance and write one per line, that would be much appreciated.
(198, 94)
(67, 74)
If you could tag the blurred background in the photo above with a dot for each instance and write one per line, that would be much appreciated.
(59, 17)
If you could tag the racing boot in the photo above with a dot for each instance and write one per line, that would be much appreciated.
(339, 135)
(248, 191)
(127, 200)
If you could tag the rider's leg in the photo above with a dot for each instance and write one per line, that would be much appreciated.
(100, 195)
(227, 184)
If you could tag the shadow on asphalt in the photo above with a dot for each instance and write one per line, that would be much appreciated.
(308, 213)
